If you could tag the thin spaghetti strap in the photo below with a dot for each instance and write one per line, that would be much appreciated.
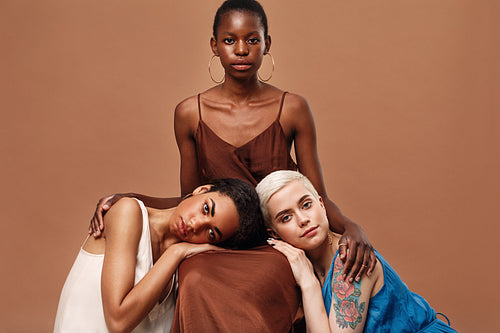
(199, 106)
(281, 104)
(85, 241)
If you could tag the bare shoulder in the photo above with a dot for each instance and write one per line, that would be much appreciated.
(296, 114)
(295, 107)
(187, 108)
(367, 287)
(125, 214)
(295, 101)
(186, 117)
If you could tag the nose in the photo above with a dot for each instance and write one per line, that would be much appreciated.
(241, 48)
(198, 223)
(302, 219)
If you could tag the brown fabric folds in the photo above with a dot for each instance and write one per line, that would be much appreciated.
(237, 291)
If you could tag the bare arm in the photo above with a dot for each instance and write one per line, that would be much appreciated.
(312, 299)
(124, 304)
(360, 257)
(185, 125)
(350, 301)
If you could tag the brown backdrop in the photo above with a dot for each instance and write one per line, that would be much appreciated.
(404, 94)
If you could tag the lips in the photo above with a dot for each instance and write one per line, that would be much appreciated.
(310, 232)
(241, 65)
(182, 227)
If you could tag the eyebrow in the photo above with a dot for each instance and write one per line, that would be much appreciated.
(233, 34)
(302, 198)
(213, 207)
(218, 232)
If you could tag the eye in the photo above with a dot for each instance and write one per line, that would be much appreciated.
(206, 208)
(211, 235)
(253, 41)
(228, 41)
(307, 204)
(286, 218)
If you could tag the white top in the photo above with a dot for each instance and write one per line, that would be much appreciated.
(80, 306)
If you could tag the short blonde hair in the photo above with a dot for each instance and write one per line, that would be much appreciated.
(274, 182)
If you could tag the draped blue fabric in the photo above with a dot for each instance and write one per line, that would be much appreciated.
(394, 308)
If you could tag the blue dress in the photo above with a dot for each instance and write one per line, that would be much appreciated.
(394, 308)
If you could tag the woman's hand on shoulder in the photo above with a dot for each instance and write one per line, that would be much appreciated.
(103, 205)
(357, 253)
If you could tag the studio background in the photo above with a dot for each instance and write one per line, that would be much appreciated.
(404, 95)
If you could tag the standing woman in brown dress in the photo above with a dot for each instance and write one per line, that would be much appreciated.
(244, 128)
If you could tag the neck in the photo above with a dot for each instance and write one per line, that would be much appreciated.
(322, 256)
(241, 90)
(159, 226)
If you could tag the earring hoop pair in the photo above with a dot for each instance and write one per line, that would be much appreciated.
(258, 74)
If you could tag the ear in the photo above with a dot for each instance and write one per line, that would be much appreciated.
(268, 44)
(321, 203)
(213, 46)
(202, 189)
(272, 233)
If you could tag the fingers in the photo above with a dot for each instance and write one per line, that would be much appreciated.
(364, 266)
(353, 262)
(97, 221)
(283, 247)
(342, 246)
(373, 262)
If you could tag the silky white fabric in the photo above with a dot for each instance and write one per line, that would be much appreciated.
(80, 305)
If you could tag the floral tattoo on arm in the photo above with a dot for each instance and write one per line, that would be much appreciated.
(348, 311)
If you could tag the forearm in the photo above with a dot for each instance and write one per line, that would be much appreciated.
(338, 221)
(154, 202)
(314, 308)
(125, 314)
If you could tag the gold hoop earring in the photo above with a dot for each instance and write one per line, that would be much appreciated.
(210, 72)
(272, 72)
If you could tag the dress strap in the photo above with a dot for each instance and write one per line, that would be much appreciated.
(281, 104)
(199, 106)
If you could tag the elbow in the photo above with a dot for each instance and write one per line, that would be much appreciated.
(117, 326)
(118, 323)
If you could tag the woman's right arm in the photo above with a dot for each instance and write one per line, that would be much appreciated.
(185, 125)
(124, 304)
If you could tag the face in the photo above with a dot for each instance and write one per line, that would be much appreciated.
(205, 218)
(240, 43)
(297, 217)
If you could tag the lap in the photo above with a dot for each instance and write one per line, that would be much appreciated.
(243, 291)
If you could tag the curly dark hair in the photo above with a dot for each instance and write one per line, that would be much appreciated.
(251, 6)
(251, 230)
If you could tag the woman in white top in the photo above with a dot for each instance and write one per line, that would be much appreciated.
(125, 280)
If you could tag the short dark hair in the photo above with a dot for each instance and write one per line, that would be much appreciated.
(251, 231)
(240, 5)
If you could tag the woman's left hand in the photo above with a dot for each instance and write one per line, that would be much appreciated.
(357, 253)
(302, 268)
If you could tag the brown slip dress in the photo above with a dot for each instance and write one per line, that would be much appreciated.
(239, 291)
(265, 153)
